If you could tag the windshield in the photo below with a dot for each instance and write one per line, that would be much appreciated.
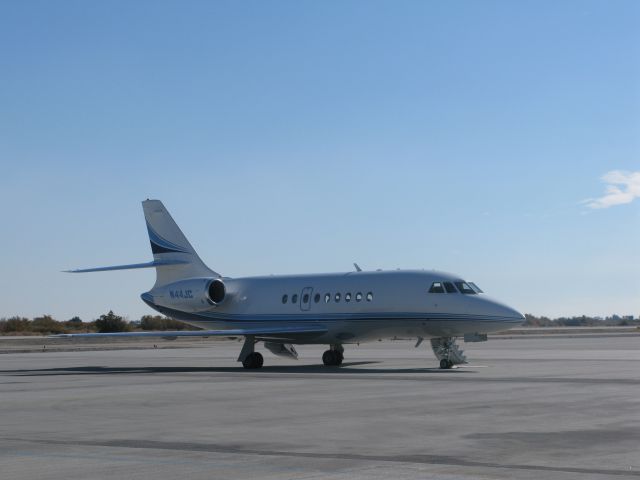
(465, 288)
(449, 287)
(468, 288)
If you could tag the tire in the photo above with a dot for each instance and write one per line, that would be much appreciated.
(248, 362)
(259, 359)
(329, 358)
(445, 364)
(253, 361)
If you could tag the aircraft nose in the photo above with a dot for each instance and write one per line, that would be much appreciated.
(511, 314)
(498, 316)
(506, 313)
(515, 313)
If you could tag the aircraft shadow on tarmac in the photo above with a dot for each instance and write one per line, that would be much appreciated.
(346, 368)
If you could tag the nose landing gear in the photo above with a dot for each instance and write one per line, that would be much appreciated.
(447, 352)
(446, 364)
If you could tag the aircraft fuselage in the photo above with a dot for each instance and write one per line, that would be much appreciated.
(353, 307)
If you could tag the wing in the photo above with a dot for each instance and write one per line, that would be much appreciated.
(272, 333)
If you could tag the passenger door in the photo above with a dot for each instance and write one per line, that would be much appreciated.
(305, 298)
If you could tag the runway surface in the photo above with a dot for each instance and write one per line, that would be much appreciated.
(561, 408)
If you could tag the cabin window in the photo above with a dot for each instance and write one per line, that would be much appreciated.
(347, 297)
(436, 287)
(294, 299)
(465, 288)
(316, 299)
(285, 297)
(448, 286)
(369, 296)
(358, 297)
(305, 298)
(337, 297)
(327, 297)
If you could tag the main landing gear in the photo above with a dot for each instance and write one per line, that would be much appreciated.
(334, 356)
(253, 360)
(248, 356)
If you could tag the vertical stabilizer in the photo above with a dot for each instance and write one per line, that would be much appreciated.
(169, 244)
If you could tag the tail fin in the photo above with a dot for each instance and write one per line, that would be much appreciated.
(173, 256)
(172, 253)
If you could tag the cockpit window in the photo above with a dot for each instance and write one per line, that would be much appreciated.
(436, 287)
(448, 286)
(465, 288)
(475, 287)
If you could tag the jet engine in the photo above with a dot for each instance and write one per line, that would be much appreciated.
(192, 295)
(216, 291)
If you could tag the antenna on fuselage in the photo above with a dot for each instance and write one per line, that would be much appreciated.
(358, 269)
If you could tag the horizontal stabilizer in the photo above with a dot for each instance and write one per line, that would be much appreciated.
(276, 332)
(155, 263)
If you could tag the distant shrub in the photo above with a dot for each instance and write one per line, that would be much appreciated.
(76, 324)
(158, 322)
(532, 321)
(111, 323)
(46, 325)
(15, 324)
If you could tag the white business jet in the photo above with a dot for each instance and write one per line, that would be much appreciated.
(331, 309)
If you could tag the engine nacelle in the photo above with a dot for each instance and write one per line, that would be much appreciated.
(216, 291)
(192, 295)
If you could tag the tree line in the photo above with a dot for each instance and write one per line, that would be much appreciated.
(107, 323)
(110, 322)
(580, 321)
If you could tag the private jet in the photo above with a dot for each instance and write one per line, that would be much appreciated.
(334, 309)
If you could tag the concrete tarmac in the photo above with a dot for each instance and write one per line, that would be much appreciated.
(560, 408)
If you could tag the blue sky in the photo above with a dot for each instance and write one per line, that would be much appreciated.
(297, 136)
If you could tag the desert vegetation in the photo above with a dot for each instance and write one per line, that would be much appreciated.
(107, 323)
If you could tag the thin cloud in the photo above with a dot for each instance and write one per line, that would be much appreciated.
(622, 187)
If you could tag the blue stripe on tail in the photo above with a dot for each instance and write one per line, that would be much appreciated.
(162, 245)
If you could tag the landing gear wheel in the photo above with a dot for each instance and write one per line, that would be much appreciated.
(339, 357)
(253, 361)
(446, 364)
(259, 360)
(331, 358)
